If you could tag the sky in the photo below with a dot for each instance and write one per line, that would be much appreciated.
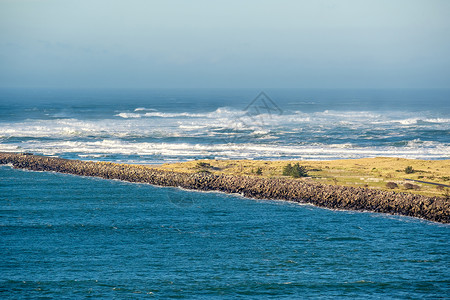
(224, 44)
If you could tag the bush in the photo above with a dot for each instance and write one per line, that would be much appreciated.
(295, 171)
(259, 171)
(299, 171)
(408, 186)
(409, 170)
(391, 185)
(287, 170)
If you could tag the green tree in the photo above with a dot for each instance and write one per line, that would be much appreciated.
(409, 170)
(299, 171)
(295, 171)
(287, 170)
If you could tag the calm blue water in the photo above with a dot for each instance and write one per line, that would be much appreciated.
(154, 126)
(67, 237)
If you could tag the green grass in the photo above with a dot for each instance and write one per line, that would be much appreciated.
(365, 172)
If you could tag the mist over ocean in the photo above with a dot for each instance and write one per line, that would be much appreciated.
(157, 126)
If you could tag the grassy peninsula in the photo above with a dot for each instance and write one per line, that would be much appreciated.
(211, 176)
(365, 172)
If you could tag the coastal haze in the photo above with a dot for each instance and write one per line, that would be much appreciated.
(155, 82)
(204, 44)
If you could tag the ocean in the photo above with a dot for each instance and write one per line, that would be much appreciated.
(69, 237)
(157, 126)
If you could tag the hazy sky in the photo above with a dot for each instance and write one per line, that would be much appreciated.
(246, 43)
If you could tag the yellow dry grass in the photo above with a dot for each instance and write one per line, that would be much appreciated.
(367, 172)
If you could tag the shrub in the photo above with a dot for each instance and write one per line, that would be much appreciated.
(259, 171)
(295, 171)
(299, 171)
(287, 170)
(391, 185)
(409, 170)
(408, 186)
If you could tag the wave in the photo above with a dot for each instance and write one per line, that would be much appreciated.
(128, 115)
(224, 117)
(415, 121)
(144, 109)
(228, 115)
(231, 133)
(149, 112)
(144, 123)
(97, 149)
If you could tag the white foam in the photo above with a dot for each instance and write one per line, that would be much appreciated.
(263, 134)
(128, 115)
(437, 120)
(406, 121)
(145, 123)
(414, 121)
(190, 127)
(430, 150)
(8, 148)
(223, 112)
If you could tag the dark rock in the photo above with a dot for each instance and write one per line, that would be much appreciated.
(330, 196)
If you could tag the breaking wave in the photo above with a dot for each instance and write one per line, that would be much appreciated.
(232, 133)
(103, 148)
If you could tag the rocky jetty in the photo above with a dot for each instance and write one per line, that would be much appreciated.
(329, 196)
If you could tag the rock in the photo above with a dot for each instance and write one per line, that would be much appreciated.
(330, 196)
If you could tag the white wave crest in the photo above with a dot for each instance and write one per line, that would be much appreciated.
(182, 151)
(128, 115)
(416, 121)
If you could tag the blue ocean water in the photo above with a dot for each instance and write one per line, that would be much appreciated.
(69, 237)
(155, 126)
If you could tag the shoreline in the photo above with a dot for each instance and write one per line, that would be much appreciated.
(286, 189)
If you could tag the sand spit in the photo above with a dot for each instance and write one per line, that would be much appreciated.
(330, 196)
